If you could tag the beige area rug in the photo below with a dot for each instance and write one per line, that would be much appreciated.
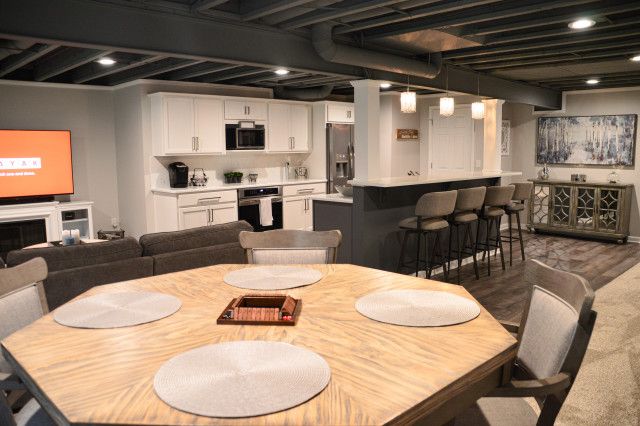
(607, 389)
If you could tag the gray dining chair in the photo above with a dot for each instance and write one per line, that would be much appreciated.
(22, 301)
(289, 246)
(552, 339)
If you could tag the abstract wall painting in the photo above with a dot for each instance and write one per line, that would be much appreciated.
(597, 140)
(505, 148)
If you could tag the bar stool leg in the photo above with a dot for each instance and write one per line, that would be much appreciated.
(473, 244)
(499, 242)
(520, 235)
(418, 254)
(450, 238)
(433, 253)
(510, 241)
(487, 249)
(402, 250)
(464, 243)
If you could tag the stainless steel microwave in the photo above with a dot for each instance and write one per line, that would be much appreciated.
(244, 135)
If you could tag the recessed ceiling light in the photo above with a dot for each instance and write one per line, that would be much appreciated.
(582, 23)
(385, 85)
(282, 71)
(635, 58)
(593, 81)
(106, 61)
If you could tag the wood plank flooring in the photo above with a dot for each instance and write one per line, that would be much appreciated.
(504, 292)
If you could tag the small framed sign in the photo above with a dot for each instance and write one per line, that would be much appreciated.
(407, 134)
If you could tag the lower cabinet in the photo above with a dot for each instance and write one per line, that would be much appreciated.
(297, 207)
(192, 210)
(194, 217)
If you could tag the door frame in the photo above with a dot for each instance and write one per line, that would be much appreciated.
(472, 160)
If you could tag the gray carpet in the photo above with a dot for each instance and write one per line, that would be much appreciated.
(607, 389)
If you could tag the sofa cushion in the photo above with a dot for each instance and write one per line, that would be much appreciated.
(62, 286)
(197, 258)
(206, 236)
(61, 258)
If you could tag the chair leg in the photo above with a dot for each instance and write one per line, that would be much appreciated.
(520, 235)
(419, 234)
(510, 241)
(499, 243)
(402, 249)
(449, 251)
(487, 249)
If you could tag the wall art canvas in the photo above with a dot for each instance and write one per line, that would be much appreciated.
(597, 140)
(505, 148)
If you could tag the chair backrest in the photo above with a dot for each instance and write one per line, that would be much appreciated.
(22, 299)
(436, 204)
(522, 191)
(470, 198)
(288, 246)
(557, 321)
(499, 196)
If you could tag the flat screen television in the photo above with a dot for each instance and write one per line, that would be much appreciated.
(35, 163)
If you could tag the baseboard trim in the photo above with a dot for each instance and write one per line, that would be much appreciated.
(633, 239)
(454, 264)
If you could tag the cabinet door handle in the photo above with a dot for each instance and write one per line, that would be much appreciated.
(211, 221)
(193, 143)
(197, 143)
(249, 108)
(305, 191)
(208, 199)
(294, 142)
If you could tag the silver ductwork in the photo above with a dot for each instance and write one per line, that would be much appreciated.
(330, 51)
(308, 94)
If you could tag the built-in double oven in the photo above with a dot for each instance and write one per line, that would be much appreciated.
(244, 135)
(249, 206)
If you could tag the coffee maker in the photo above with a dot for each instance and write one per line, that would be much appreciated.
(178, 175)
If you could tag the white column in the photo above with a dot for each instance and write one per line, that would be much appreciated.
(492, 159)
(367, 128)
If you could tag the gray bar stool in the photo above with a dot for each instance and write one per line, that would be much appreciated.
(495, 200)
(520, 195)
(468, 204)
(430, 213)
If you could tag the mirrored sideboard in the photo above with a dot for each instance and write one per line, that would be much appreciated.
(587, 209)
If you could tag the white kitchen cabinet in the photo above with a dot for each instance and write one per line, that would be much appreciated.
(297, 210)
(176, 211)
(289, 127)
(245, 110)
(340, 113)
(183, 124)
(194, 217)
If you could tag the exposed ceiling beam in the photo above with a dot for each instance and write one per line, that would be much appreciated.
(276, 79)
(202, 5)
(94, 71)
(285, 15)
(583, 77)
(66, 61)
(578, 50)
(397, 8)
(200, 69)
(190, 38)
(467, 17)
(545, 44)
(150, 70)
(415, 14)
(25, 57)
(344, 8)
(232, 75)
(547, 19)
(264, 8)
(562, 60)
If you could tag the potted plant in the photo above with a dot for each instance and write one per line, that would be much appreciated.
(233, 177)
(237, 177)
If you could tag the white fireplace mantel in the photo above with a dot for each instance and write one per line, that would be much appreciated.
(50, 212)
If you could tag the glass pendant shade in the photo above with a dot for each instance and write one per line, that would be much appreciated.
(447, 106)
(408, 102)
(477, 110)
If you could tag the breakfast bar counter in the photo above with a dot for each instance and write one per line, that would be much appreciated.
(379, 204)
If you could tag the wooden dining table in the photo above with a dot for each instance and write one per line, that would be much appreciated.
(380, 373)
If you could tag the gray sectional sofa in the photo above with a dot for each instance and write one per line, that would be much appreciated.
(75, 269)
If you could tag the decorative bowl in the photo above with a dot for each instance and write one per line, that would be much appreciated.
(345, 190)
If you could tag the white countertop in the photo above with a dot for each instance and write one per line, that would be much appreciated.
(430, 178)
(227, 186)
(334, 198)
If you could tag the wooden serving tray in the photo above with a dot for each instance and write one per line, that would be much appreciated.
(256, 309)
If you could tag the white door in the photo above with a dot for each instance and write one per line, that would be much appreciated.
(179, 122)
(209, 124)
(224, 214)
(451, 146)
(279, 138)
(193, 217)
(294, 213)
(235, 110)
(256, 110)
(299, 127)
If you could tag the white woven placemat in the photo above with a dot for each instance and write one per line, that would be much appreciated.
(113, 310)
(417, 308)
(272, 277)
(241, 379)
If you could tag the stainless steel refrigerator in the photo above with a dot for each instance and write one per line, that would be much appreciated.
(340, 155)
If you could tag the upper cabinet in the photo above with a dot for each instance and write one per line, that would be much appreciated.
(245, 110)
(183, 124)
(340, 113)
(289, 127)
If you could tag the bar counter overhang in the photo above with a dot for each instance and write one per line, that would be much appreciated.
(379, 204)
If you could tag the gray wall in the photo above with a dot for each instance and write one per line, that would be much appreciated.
(602, 102)
(88, 114)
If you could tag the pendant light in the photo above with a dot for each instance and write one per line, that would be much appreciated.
(408, 100)
(447, 104)
(477, 108)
